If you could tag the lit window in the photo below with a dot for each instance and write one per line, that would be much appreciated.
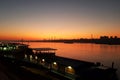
(55, 66)
(36, 57)
(69, 70)
(30, 56)
(25, 56)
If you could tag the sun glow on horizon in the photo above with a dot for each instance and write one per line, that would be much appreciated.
(37, 20)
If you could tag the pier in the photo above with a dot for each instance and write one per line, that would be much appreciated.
(42, 61)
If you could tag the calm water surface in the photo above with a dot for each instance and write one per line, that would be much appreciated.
(106, 54)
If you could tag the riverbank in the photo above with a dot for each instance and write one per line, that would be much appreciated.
(11, 69)
(36, 59)
(19, 70)
(102, 40)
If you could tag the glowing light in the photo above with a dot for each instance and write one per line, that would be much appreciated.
(4, 48)
(54, 63)
(31, 57)
(43, 60)
(69, 67)
(36, 57)
(25, 56)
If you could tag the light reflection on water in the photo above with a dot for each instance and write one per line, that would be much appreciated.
(105, 54)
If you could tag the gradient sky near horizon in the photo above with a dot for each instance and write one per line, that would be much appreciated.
(45, 19)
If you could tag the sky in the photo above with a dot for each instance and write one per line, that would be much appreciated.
(58, 19)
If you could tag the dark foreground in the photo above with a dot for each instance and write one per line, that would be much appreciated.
(19, 62)
(12, 71)
(9, 72)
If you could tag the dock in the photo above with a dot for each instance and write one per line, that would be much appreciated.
(41, 61)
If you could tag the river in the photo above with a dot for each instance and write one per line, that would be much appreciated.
(106, 54)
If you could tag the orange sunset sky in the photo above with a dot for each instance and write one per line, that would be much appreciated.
(58, 19)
